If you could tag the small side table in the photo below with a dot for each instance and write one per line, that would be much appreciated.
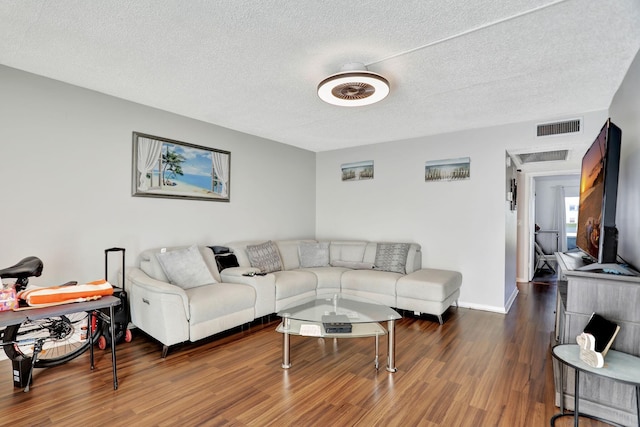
(618, 366)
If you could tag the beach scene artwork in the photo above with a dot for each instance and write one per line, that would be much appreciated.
(447, 170)
(168, 168)
(357, 171)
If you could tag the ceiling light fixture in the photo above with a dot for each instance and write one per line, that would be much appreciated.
(353, 86)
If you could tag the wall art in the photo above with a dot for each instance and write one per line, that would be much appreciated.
(163, 167)
(357, 171)
(447, 170)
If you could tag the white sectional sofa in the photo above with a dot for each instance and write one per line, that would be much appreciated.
(172, 306)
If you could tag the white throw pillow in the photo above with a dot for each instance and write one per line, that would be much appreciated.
(185, 267)
(313, 254)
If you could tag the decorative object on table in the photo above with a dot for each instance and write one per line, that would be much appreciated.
(336, 324)
(357, 171)
(596, 340)
(448, 169)
(167, 168)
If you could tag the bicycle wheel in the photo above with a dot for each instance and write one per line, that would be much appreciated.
(64, 338)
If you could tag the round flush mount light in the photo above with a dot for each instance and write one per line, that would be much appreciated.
(354, 86)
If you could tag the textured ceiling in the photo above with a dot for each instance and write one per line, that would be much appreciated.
(253, 66)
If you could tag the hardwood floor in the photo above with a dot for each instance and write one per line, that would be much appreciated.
(478, 369)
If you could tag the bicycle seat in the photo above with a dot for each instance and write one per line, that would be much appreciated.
(27, 267)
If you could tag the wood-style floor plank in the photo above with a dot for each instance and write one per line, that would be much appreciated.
(478, 369)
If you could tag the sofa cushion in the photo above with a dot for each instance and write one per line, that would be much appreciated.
(265, 256)
(219, 300)
(185, 267)
(290, 283)
(347, 251)
(429, 284)
(392, 257)
(328, 278)
(313, 254)
(371, 282)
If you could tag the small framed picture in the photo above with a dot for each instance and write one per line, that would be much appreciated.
(447, 170)
(357, 171)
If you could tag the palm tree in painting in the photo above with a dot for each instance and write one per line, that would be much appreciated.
(171, 165)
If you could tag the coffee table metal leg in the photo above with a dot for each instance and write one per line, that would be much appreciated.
(391, 341)
(576, 399)
(377, 353)
(638, 403)
(286, 324)
(286, 362)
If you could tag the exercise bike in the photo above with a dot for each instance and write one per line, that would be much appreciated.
(51, 341)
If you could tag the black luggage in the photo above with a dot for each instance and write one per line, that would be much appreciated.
(121, 312)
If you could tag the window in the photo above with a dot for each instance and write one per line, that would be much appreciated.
(571, 215)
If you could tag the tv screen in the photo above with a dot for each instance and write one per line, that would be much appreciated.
(597, 235)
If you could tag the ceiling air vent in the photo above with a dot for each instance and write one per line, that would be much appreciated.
(558, 128)
(543, 156)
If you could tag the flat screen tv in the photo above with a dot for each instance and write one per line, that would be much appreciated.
(597, 235)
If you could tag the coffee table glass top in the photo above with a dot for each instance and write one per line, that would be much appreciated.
(357, 309)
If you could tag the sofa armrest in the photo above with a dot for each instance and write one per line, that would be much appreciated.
(136, 277)
(235, 272)
(265, 287)
(158, 308)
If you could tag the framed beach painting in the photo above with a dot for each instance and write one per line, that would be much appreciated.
(357, 171)
(166, 168)
(447, 170)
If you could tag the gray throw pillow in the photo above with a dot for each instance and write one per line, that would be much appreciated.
(313, 254)
(392, 257)
(185, 267)
(265, 256)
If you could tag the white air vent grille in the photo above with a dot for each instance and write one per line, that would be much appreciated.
(558, 128)
(543, 156)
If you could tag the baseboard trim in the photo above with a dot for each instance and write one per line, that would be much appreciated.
(482, 307)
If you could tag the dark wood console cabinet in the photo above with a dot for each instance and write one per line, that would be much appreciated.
(615, 297)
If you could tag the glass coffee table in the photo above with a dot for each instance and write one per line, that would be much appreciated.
(338, 316)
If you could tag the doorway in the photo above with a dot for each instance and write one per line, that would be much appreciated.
(555, 213)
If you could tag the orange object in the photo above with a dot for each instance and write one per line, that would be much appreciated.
(64, 294)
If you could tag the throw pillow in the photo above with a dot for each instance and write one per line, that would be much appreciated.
(313, 254)
(265, 256)
(226, 261)
(185, 267)
(392, 257)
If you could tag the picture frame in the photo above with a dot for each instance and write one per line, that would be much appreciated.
(447, 170)
(357, 171)
(167, 168)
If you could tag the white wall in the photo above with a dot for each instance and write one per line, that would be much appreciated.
(460, 225)
(463, 225)
(65, 181)
(625, 112)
